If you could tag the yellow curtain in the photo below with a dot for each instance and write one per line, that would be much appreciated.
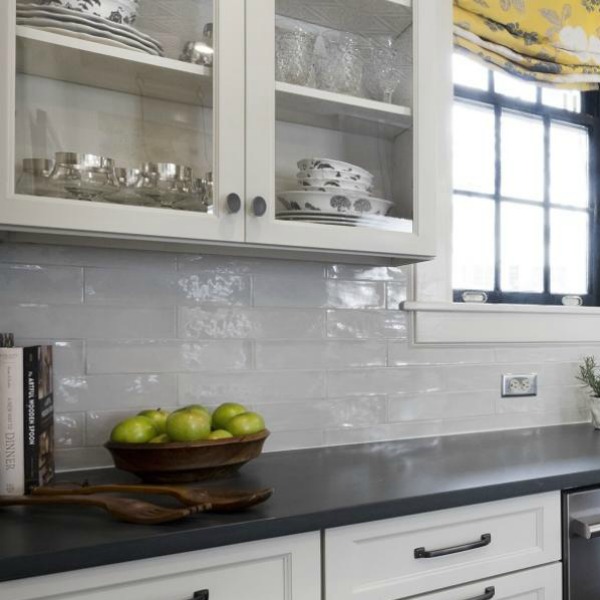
(552, 42)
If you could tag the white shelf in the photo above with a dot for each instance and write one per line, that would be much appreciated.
(70, 59)
(328, 110)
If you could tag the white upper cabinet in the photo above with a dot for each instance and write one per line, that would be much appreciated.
(140, 144)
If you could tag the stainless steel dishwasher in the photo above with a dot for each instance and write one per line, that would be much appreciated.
(581, 541)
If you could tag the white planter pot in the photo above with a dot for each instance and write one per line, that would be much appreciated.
(595, 411)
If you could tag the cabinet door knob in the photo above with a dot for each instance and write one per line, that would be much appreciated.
(234, 203)
(259, 206)
(200, 595)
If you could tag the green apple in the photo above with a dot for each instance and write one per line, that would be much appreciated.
(158, 417)
(219, 434)
(245, 424)
(163, 438)
(135, 430)
(225, 412)
(188, 426)
(195, 408)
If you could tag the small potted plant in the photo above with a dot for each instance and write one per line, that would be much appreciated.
(589, 374)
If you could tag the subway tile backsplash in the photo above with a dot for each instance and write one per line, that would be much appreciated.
(321, 350)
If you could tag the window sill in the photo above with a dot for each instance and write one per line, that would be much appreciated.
(454, 323)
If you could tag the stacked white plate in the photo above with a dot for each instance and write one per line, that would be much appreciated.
(334, 192)
(86, 26)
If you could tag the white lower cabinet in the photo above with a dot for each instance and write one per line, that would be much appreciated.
(543, 583)
(280, 569)
(417, 554)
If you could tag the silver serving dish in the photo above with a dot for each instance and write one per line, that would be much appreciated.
(200, 52)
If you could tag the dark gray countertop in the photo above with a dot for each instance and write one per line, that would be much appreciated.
(314, 489)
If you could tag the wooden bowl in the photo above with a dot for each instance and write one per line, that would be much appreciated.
(186, 462)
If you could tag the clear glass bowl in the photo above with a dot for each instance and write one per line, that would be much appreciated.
(294, 55)
(84, 176)
(127, 193)
(34, 177)
(340, 68)
(167, 184)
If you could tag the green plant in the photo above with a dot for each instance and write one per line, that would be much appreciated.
(589, 374)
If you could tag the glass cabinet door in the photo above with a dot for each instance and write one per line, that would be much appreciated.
(338, 80)
(127, 117)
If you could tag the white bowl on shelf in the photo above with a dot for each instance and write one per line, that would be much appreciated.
(340, 183)
(321, 164)
(334, 201)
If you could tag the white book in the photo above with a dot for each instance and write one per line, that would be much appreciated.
(12, 458)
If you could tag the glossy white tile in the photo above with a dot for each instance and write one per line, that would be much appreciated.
(69, 430)
(87, 322)
(250, 323)
(398, 274)
(251, 386)
(110, 392)
(306, 292)
(299, 354)
(365, 324)
(167, 356)
(31, 284)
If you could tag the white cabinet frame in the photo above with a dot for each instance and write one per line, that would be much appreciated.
(31, 213)
(432, 29)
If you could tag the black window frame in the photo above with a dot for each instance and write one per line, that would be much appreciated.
(589, 117)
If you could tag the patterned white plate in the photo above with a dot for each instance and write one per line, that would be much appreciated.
(71, 22)
(91, 18)
(92, 33)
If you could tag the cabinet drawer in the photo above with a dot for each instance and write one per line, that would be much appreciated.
(281, 569)
(542, 583)
(395, 558)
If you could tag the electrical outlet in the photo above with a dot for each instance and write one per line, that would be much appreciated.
(519, 385)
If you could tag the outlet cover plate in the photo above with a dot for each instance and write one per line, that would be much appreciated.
(519, 385)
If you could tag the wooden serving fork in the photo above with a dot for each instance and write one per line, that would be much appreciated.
(122, 509)
(213, 500)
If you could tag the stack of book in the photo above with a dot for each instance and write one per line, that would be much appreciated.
(26, 417)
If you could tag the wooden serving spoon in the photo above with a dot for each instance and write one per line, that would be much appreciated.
(214, 500)
(122, 509)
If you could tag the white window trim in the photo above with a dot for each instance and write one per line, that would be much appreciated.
(436, 319)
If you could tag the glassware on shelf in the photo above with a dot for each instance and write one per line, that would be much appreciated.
(294, 53)
(165, 183)
(200, 52)
(83, 176)
(34, 177)
(340, 68)
(383, 71)
(127, 193)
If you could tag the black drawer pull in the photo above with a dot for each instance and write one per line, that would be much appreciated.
(488, 594)
(234, 204)
(486, 540)
(202, 595)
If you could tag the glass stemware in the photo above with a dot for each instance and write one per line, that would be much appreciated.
(34, 177)
(383, 71)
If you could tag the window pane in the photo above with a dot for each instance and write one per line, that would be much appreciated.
(473, 243)
(564, 99)
(569, 165)
(469, 72)
(522, 242)
(473, 152)
(568, 252)
(522, 156)
(514, 88)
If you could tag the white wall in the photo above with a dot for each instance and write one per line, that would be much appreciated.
(321, 350)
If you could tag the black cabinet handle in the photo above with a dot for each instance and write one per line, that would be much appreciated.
(259, 206)
(488, 594)
(486, 540)
(234, 203)
(200, 595)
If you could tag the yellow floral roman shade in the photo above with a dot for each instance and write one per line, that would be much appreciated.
(553, 42)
